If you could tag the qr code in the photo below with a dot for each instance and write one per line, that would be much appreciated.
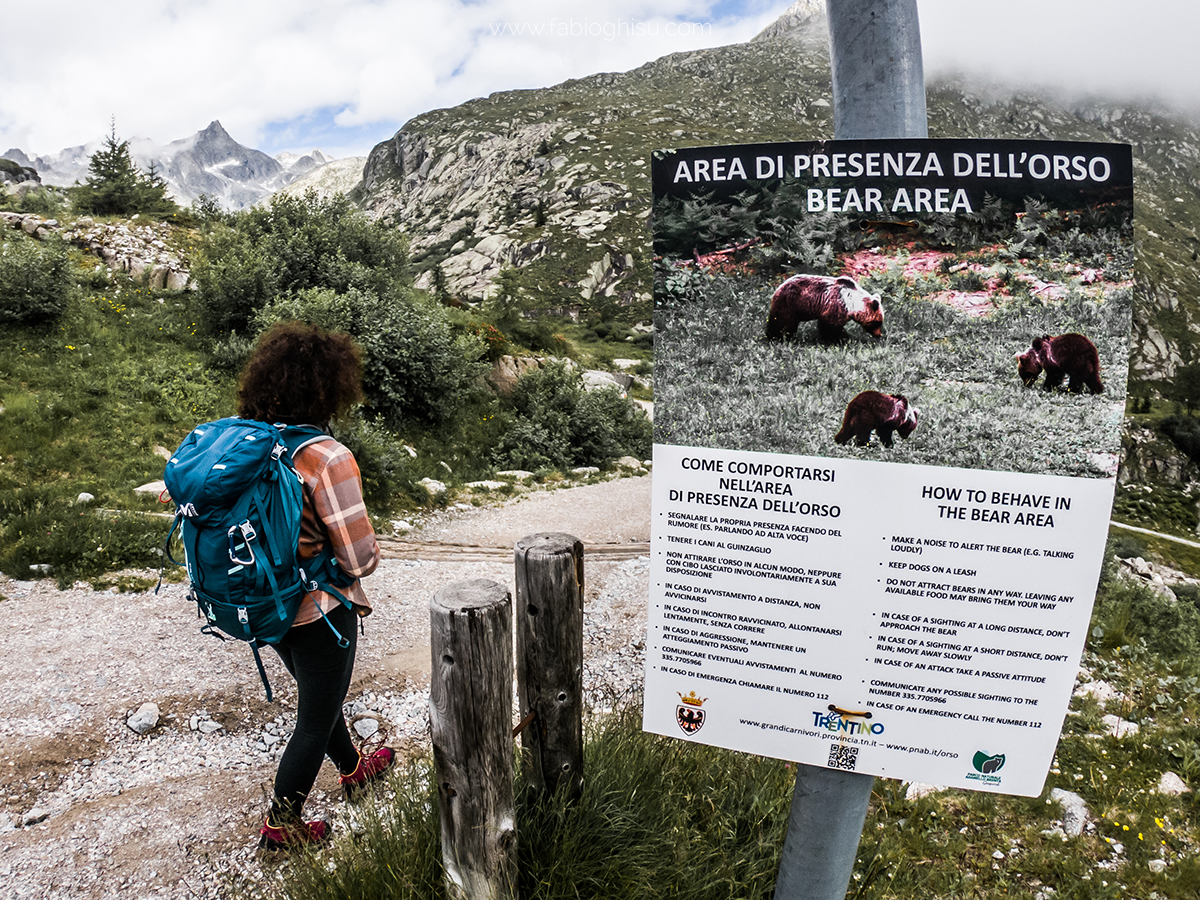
(843, 757)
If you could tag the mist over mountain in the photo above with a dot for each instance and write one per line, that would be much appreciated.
(209, 162)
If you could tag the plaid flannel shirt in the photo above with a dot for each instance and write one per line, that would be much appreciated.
(334, 512)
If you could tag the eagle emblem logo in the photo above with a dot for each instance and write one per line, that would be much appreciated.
(689, 714)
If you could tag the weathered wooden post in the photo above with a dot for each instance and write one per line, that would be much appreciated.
(549, 614)
(470, 705)
(878, 92)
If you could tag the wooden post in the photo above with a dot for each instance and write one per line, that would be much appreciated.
(470, 705)
(549, 615)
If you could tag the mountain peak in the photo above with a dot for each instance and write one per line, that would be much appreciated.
(215, 129)
(799, 13)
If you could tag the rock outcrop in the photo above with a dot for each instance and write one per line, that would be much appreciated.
(138, 250)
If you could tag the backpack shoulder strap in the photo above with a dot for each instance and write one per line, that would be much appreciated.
(297, 437)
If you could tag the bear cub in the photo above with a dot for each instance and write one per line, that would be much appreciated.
(1070, 356)
(881, 413)
(832, 302)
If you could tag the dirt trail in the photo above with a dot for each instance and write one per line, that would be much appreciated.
(90, 809)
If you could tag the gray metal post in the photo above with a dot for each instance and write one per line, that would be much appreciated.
(878, 92)
(878, 77)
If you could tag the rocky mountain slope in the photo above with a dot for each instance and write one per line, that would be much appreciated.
(556, 181)
(209, 162)
(336, 176)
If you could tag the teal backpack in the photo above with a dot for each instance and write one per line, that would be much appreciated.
(238, 500)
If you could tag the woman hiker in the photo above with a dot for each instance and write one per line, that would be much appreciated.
(302, 375)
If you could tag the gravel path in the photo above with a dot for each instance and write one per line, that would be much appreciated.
(90, 809)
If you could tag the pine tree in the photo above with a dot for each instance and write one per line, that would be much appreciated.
(116, 187)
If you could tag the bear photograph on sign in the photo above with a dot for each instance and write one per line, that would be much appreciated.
(946, 303)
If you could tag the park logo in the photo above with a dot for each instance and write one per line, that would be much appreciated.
(688, 714)
(986, 767)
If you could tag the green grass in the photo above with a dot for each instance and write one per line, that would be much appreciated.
(658, 818)
(721, 385)
(86, 402)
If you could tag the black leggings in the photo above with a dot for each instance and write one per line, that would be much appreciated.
(322, 671)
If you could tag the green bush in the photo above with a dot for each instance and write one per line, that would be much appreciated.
(416, 371)
(35, 281)
(290, 245)
(552, 422)
(1184, 431)
(388, 470)
(44, 201)
(234, 279)
(1187, 593)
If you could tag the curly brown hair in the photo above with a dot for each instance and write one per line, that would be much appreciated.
(300, 374)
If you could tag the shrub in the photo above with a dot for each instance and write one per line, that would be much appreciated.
(494, 342)
(1184, 431)
(291, 245)
(42, 202)
(554, 423)
(35, 282)
(1125, 546)
(1187, 593)
(416, 371)
(387, 469)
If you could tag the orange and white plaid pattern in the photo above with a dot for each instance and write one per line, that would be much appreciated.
(335, 512)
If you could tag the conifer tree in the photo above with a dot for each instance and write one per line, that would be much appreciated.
(116, 187)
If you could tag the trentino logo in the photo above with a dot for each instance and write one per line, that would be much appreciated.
(835, 721)
(986, 767)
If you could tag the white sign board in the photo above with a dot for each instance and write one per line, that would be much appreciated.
(933, 637)
(889, 389)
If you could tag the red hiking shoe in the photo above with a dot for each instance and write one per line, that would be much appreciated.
(292, 835)
(369, 768)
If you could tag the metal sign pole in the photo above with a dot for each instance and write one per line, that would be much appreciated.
(878, 92)
(878, 77)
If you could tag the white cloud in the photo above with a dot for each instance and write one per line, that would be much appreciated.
(166, 69)
(1108, 47)
(276, 71)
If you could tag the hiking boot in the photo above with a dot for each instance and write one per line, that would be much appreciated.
(369, 769)
(292, 834)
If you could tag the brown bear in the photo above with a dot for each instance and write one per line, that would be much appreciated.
(1070, 356)
(831, 301)
(882, 413)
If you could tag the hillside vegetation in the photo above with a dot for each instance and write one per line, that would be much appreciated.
(102, 375)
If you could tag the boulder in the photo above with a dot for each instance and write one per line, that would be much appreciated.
(145, 719)
(507, 369)
(1172, 785)
(594, 380)
(1075, 812)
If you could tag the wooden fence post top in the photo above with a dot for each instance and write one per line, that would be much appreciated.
(550, 541)
(473, 593)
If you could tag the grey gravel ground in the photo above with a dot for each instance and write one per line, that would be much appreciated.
(88, 808)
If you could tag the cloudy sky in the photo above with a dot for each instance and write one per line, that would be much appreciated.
(344, 75)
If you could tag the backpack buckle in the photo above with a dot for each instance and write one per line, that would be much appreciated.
(246, 532)
(311, 583)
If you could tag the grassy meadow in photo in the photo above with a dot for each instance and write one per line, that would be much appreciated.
(954, 323)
